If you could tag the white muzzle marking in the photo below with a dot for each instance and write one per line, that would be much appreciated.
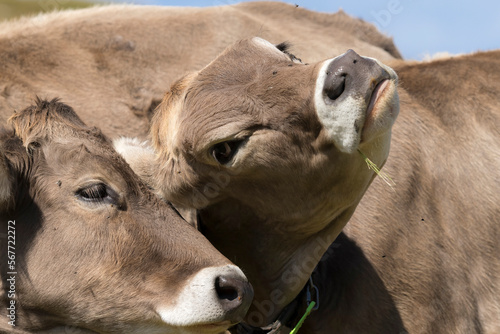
(339, 121)
(198, 302)
(343, 122)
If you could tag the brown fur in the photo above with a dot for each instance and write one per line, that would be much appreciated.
(114, 63)
(101, 267)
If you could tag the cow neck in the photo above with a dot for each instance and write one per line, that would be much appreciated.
(277, 265)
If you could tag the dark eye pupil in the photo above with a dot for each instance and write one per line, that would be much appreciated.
(224, 152)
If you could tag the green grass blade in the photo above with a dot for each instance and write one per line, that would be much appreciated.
(387, 179)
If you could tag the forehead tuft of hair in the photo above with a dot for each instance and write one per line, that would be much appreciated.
(46, 119)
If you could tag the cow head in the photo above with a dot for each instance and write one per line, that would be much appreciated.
(266, 147)
(92, 247)
(292, 129)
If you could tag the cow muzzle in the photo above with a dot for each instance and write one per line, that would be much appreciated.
(349, 88)
(214, 297)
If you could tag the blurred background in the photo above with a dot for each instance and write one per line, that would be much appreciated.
(420, 28)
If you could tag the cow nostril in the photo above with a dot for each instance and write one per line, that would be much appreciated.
(234, 295)
(226, 290)
(334, 88)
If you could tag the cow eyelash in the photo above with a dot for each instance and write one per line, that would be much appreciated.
(96, 193)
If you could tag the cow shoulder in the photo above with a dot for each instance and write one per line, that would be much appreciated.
(316, 25)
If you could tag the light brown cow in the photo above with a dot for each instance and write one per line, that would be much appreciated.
(87, 246)
(130, 55)
(247, 141)
(267, 149)
(363, 298)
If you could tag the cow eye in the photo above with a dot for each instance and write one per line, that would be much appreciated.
(225, 151)
(96, 193)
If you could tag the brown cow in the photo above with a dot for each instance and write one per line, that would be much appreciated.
(87, 246)
(267, 149)
(131, 54)
(245, 140)
(408, 290)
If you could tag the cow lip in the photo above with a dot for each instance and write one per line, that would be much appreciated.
(377, 94)
(382, 109)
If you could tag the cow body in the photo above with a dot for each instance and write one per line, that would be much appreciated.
(130, 55)
(87, 248)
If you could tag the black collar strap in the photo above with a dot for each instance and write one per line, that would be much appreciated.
(288, 317)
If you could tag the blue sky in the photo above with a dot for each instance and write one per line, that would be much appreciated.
(419, 27)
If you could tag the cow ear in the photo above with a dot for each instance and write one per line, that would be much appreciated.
(6, 181)
(175, 175)
(189, 214)
(139, 155)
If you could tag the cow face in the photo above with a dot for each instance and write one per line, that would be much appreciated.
(94, 249)
(278, 136)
